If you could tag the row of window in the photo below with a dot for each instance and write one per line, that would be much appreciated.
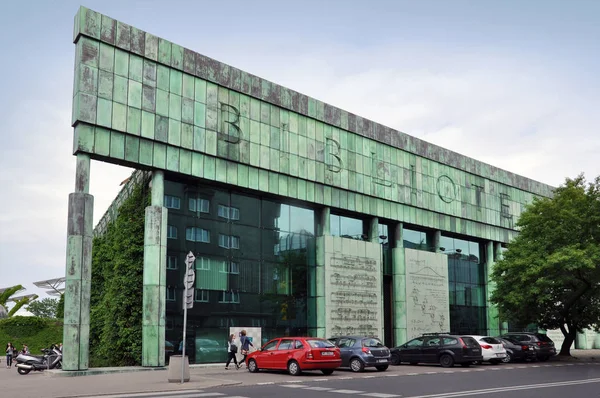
(199, 205)
(203, 296)
(204, 264)
(201, 235)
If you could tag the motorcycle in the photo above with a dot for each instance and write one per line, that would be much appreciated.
(52, 359)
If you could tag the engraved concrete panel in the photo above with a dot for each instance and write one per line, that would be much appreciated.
(427, 303)
(353, 299)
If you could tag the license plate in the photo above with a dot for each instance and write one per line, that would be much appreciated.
(327, 354)
(382, 360)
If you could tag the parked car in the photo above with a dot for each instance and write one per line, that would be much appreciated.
(543, 345)
(359, 352)
(492, 349)
(517, 350)
(442, 348)
(296, 354)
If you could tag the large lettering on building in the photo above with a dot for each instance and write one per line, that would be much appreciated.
(145, 102)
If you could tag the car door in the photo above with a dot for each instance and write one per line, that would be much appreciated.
(281, 354)
(431, 347)
(411, 351)
(346, 345)
(265, 357)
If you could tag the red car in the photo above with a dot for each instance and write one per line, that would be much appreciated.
(296, 354)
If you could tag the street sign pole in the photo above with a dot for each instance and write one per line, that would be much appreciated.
(188, 282)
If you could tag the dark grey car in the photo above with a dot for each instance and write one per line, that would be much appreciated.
(359, 352)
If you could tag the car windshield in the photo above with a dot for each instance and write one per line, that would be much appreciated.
(490, 340)
(372, 343)
(314, 343)
(543, 337)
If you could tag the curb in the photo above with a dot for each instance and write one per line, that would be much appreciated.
(126, 369)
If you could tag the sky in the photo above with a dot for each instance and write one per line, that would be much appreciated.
(511, 83)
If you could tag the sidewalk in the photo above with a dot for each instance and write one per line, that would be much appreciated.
(56, 384)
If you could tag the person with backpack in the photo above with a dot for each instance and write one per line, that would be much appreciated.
(245, 344)
(232, 350)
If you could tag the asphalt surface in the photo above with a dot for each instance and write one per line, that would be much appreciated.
(506, 381)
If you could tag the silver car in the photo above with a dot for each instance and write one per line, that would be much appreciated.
(359, 352)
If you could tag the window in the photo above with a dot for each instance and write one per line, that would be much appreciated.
(298, 344)
(230, 213)
(171, 262)
(171, 232)
(285, 344)
(203, 264)
(230, 267)
(195, 234)
(172, 202)
(418, 342)
(270, 346)
(449, 341)
(199, 205)
(170, 294)
(229, 242)
(201, 296)
(318, 343)
(230, 297)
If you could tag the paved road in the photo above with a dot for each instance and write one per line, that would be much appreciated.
(534, 381)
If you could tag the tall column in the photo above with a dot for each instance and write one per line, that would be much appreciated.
(319, 276)
(80, 227)
(434, 238)
(399, 290)
(493, 322)
(155, 275)
(374, 230)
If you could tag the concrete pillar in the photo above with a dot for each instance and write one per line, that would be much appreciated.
(493, 322)
(324, 227)
(434, 238)
(155, 275)
(80, 227)
(319, 272)
(581, 342)
(373, 234)
(399, 287)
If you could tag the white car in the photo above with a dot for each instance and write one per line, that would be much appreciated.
(492, 349)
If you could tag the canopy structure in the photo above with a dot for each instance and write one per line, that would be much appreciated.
(55, 286)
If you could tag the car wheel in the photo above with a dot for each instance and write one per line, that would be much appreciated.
(252, 366)
(327, 372)
(446, 361)
(543, 359)
(356, 365)
(395, 359)
(507, 358)
(294, 368)
(23, 371)
(381, 368)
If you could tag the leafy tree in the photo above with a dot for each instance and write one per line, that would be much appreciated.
(45, 308)
(550, 274)
(60, 307)
(8, 293)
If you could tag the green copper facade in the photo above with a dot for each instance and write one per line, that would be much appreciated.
(144, 102)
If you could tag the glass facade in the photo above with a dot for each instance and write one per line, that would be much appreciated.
(414, 239)
(253, 259)
(346, 227)
(466, 279)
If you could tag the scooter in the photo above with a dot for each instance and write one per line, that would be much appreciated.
(52, 359)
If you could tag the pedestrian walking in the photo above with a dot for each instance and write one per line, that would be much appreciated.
(245, 344)
(9, 355)
(232, 350)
